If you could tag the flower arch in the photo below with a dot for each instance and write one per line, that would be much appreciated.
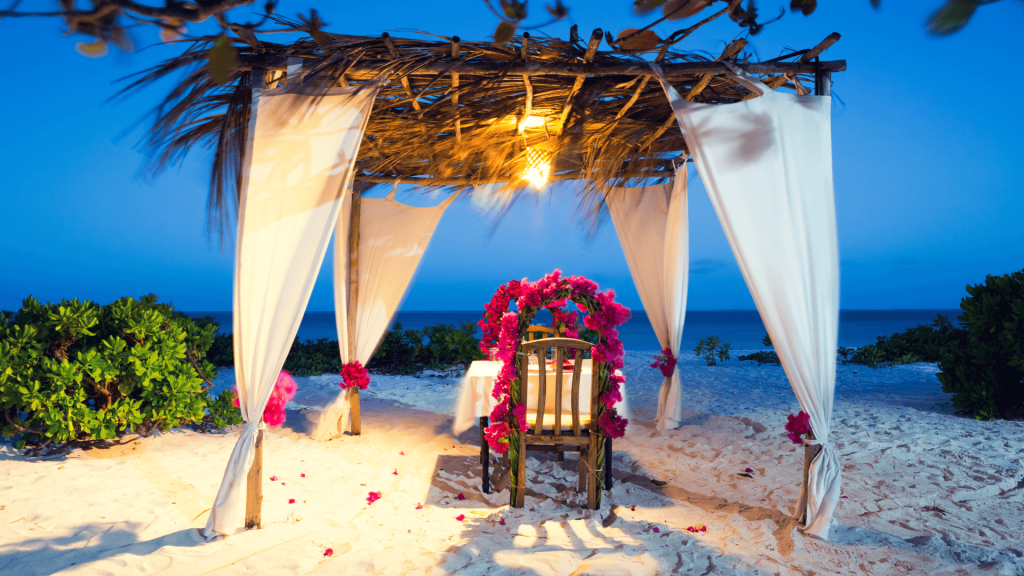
(506, 329)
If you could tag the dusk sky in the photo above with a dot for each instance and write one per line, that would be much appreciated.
(926, 146)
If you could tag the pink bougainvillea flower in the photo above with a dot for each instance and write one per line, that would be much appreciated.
(329, 552)
(798, 426)
(302, 475)
(460, 517)
(354, 374)
(419, 506)
(395, 473)
(749, 470)
(401, 453)
(461, 496)
(282, 483)
(655, 530)
(284, 390)
(502, 522)
(632, 508)
(273, 478)
(291, 500)
(373, 497)
(695, 529)
(842, 496)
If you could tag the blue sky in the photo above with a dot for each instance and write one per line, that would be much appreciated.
(926, 148)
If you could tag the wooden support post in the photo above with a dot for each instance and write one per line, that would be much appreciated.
(456, 42)
(608, 463)
(823, 83)
(353, 298)
(809, 453)
(588, 57)
(254, 488)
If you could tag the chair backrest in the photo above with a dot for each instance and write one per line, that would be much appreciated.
(559, 347)
(537, 332)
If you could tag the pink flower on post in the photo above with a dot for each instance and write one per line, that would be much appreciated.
(284, 390)
(353, 374)
(798, 426)
(665, 361)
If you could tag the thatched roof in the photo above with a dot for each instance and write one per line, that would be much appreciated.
(451, 113)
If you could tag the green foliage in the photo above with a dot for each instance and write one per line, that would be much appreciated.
(711, 348)
(919, 344)
(440, 347)
(985, 372)
(763, 356)
(76, 372)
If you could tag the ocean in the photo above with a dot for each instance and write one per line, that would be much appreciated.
(740, 328)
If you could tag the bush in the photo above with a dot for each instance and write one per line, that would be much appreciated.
(711, 347)
(985, 373)
(763, 356)
(440, 347)
(919, 344)
(78, 372)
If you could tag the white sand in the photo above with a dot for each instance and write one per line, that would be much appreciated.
(134, 508)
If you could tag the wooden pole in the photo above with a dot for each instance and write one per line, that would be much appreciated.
(588, 57)
(809, 453)
(353, 299)
(254, 488)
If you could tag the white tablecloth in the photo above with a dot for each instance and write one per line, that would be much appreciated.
(475, 400)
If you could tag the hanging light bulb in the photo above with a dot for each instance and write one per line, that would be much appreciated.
(538, 167)
(531, 122)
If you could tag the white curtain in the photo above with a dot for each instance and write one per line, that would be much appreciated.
(652, 225)
(767, 166)
(392, 239)
(301, 147)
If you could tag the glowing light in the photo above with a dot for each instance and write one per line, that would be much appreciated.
(531, 122)
(538, 167)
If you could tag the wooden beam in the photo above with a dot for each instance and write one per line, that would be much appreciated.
(728, 54)
(805, 59)
(405, 79)
(823, 83)
(730, 51)
(682, 71)
(468, 181)
(353, 299)
(588, 57)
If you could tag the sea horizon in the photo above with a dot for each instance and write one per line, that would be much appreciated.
(741, 328)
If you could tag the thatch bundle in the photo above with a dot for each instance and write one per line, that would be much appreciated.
(469, 113)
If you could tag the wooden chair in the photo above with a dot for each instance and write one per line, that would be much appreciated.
(539, 332)
(576, 433)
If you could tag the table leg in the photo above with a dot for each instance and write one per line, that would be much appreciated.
(485, 457)
(607, 463)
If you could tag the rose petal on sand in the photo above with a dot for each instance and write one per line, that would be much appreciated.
(329, 552)
(419, 506)
(461, 496)
(460, 517)
(273, 478)
(291, 500)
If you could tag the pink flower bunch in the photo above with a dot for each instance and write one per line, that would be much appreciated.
(665, 361)
(798, 426)
(353, 374)
(614, 393)
(562, 320)
(613, 425)
(284, 390)
(490, 325)
(544, 290)
(497, 436)
(580, 286)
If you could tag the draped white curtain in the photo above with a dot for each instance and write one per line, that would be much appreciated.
(392, 239)
(767, 166)
(652, 225)
(301, 147)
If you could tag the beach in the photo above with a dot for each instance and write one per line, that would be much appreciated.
(923, 490)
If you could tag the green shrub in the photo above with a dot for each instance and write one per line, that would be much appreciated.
(710, 348)
(440, 347)
(918, 344)
(985, 373)
(763, 356)
(78, 372)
